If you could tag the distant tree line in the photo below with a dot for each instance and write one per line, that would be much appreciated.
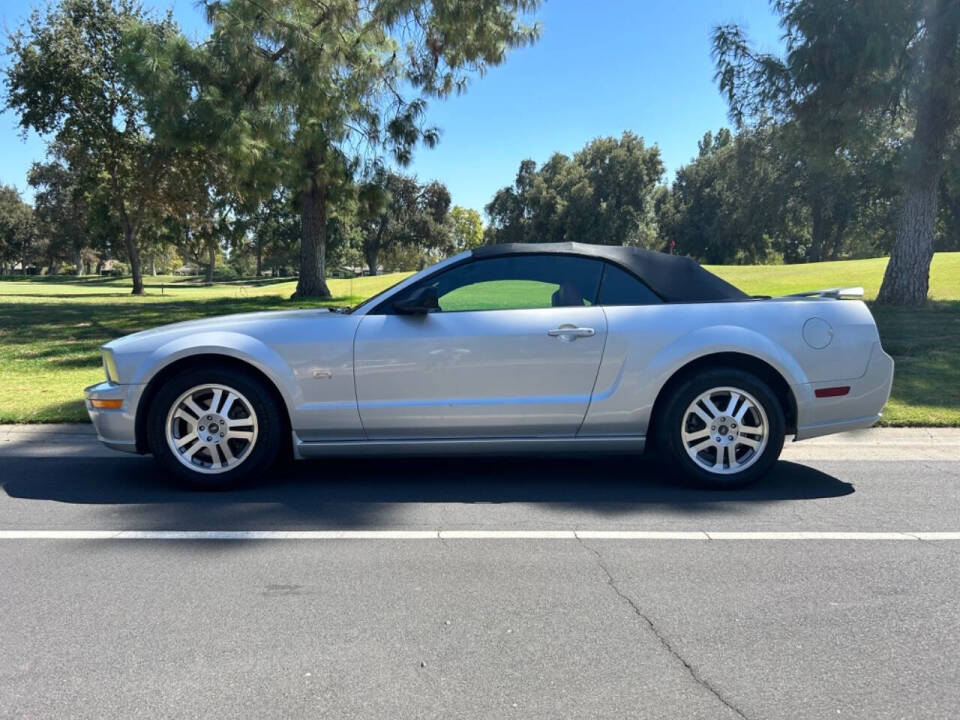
(390, 222)
(752, 197)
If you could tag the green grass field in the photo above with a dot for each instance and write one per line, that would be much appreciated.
(51, 329)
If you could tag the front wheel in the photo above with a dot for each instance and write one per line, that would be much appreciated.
(723, 428)
(214, 428)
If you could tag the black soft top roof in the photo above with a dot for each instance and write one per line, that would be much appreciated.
(673, 278)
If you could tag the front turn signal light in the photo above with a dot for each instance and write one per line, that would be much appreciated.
(107, 404)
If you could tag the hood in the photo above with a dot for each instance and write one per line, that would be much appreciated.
(247, 323)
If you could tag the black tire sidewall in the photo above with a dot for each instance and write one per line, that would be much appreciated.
(269, 427)
(670, 421)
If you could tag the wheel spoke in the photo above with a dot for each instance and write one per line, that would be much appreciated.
(192, 450)
(702, 414)
(193, 407)
(744, 409)
(697, 447)
(215, 400)
(227, 404)
(239, 434)
(711, 408)
(690, 437)
(749, 442)
(187, 438)
(227, 452)
(721, 452)
(186, 417)
(732, 405)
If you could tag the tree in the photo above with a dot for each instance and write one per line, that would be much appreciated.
(603, 194)
(397, 211)
(275, 235)
(727, 205)
(950, 202)
(466, 228)
(849, 68)
(17, 236)
(307, 90)
(68, 79)
(62, 207)
(201, 200)
(760, 195)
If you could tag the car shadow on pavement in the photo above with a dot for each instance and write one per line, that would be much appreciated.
(367, 492)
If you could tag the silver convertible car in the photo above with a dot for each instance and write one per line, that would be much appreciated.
(545, 348)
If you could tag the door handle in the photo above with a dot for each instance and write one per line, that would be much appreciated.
(569, 333)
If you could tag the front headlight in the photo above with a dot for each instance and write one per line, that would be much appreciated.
(110, 366)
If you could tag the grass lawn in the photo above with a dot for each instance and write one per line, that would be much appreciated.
(51, 329)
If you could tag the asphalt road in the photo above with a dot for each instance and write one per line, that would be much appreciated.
(483, 627)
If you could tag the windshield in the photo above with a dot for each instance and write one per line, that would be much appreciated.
(377, 297)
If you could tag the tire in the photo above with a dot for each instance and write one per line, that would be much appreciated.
(746, 442)
(247, 429)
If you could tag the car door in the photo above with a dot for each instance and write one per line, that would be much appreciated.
(512, 351)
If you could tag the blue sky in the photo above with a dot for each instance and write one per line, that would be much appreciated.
(600, 67)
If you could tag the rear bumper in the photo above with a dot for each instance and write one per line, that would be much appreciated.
(860, 408)
(115, 428)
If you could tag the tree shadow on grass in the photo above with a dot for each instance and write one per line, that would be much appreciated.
(72, 411)
(376, 493)
(925, 344)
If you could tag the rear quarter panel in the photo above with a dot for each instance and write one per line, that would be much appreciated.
(647, 345)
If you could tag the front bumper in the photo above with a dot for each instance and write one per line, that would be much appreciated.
(860, 408)
(115, 428)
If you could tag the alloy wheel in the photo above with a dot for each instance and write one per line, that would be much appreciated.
(725, 430)
(211, 428)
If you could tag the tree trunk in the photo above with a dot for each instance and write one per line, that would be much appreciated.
(372, 256)
(153, 264)
(259, 257)
(78, 256)
(907, 277)
(133, 253)
(818, 232)
(838, 231)
(211, 261)
(313, 243)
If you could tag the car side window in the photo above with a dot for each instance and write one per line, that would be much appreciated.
(517, 282)
(621, 288)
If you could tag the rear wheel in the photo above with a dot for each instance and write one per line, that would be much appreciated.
(722, 429)
(214, 428)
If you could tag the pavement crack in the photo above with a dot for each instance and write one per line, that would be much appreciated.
(442, 539)
(938, 545)
(691, 670)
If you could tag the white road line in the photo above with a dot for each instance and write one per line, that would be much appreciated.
(508, 534)
(464, 535)
(803, 535)
(640, 535)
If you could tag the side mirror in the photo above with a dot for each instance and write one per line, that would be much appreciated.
(420, 302)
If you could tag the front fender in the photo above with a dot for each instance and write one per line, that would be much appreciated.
(232, 344)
